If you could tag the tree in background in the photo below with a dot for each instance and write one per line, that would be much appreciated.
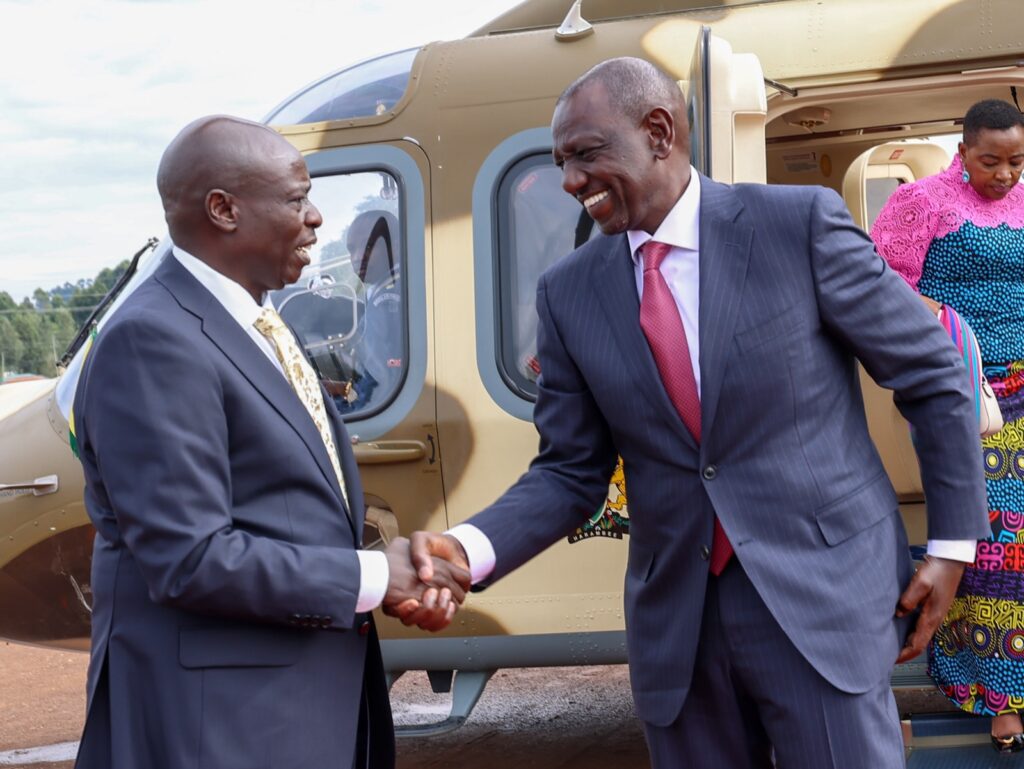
(36, 332)
(11, 347)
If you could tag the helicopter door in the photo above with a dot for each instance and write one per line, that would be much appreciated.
(726, 106)
(360, 311)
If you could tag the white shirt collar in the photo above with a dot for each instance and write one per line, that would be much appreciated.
(236, 300)
(681, 228)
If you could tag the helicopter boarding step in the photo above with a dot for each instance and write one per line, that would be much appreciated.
(954, 741)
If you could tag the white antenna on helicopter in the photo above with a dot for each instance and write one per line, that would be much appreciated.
(574, 26)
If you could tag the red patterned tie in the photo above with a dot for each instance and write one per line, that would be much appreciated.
(659, 318)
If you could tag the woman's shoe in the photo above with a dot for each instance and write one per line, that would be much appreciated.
(1011, 744)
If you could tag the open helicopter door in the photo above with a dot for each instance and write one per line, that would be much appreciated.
(726, 105)
(867, 184)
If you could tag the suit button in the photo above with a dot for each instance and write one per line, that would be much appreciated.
(364, 629)
(705, 552)
(710, 472)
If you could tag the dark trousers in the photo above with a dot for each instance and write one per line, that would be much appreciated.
(753, 693)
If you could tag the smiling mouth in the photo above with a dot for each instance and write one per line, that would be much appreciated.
(593, 200)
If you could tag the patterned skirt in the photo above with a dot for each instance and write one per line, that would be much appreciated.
(977, 656)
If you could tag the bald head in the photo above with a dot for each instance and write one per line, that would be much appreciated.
(634, 87)
(621, 140)
(236, 196)
(211, 153)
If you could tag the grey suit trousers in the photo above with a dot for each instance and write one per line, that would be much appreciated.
(753, 693)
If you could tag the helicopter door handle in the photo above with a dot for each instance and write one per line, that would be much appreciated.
(40, 486)
(388, 452)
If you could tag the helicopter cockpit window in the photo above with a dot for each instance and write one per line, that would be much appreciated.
(349, 307)
(537, 223)
(370, 88)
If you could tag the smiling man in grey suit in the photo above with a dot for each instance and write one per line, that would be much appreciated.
(230, 622)
(710, 339)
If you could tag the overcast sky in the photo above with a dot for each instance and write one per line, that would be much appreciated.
(91, 91)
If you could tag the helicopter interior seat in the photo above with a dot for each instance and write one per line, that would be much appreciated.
(326, 326)
(876, 173)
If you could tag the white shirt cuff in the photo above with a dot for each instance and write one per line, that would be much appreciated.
(954, 549)
(478, 549)
(373, 579)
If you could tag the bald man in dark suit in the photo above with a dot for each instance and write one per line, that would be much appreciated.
(231, 622)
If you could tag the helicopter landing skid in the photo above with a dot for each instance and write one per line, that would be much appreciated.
(466, 689)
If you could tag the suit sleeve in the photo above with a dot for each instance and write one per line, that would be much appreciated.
(154, 425)
(870, 309)
(568, 480)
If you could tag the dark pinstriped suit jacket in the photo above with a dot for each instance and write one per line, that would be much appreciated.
(791, 293)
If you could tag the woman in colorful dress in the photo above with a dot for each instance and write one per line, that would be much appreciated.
(958, 239)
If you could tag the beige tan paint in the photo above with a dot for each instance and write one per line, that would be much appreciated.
(876, 65)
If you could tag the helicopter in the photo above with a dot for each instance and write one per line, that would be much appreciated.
(432, 169)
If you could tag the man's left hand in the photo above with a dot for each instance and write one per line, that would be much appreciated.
(931, 590)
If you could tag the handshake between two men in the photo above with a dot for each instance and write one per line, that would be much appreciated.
(428, 579)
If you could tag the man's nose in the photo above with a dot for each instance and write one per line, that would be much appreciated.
(313, 217)
(573, 179)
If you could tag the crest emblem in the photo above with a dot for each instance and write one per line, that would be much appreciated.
(612, 519)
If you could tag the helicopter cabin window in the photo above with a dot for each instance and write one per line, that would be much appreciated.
(349, 307)
(537, 223)
(370, 88)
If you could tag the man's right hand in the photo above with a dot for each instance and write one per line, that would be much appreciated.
(427, 603)
(428, 552)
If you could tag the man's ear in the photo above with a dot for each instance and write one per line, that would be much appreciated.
(222, 210)
(661, 131)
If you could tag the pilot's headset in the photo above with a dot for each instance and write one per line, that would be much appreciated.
(378, 226)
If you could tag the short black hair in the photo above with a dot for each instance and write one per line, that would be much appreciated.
(634, 86)
(991, 115)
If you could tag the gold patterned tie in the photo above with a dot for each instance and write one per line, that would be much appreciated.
(302, 379)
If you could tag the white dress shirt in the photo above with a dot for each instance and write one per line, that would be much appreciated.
(681, 270)
(373, 565)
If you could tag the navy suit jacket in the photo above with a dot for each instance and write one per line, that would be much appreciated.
(791, 294)
(225, 575)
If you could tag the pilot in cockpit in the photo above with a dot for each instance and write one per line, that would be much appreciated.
(378, 355)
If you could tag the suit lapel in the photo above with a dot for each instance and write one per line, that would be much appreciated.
(724, 255)
(250, 361)
(616, 286)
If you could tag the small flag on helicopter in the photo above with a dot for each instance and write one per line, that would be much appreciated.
(72, 438)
